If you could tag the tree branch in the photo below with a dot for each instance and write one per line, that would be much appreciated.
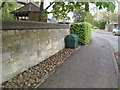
(49, 5)
(20, 2)
(3, 3)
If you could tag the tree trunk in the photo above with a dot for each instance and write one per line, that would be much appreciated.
(43, 14)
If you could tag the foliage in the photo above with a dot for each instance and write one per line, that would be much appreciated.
(108, 17)
(83, 30)
(89, 18)
(95, 23)
(79, 15)
(8, 7)
(61, 9)
(82, 16)
(101, 25)
(37, 2)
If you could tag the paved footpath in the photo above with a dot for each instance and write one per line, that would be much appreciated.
(90, 67)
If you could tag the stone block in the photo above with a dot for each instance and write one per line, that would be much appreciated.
(4, 33)
(6, 56)
(33, 56)
(25, 42)
(0, 57)
(20, 62)
(6, 69)
(49, 46)
(15, 37)
(17, 46)
(11, 32)
(35, 46)
(39, 53)
(20, 52)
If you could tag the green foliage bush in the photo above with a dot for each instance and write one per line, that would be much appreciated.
(101, 25)
(83, 30)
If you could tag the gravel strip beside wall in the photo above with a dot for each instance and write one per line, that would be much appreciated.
(36, 75)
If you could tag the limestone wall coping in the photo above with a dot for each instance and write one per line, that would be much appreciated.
(27, 25)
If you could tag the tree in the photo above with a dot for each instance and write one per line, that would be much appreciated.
(8, 7)
(89, 18)
(63, 8)
(108, 17)
(79, 15)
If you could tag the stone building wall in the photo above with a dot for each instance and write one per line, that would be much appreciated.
(22, 49)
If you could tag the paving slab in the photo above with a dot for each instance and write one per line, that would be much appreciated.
(90, 67)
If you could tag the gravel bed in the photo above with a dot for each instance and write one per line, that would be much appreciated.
(31, 77)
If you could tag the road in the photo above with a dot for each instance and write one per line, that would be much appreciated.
(110, 37)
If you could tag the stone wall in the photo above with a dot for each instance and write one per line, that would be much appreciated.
(24, 47)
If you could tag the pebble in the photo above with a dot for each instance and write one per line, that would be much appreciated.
(32, 76)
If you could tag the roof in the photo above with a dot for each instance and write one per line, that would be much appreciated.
(30, 7)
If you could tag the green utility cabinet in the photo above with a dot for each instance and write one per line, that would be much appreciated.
(71, 41)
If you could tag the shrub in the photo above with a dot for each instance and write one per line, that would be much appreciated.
(83, 30)
(101, 25)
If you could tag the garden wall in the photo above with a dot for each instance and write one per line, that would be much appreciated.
(25, 44)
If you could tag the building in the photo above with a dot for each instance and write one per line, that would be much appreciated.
(29, 12)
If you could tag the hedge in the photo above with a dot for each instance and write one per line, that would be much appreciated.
(83, 30)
